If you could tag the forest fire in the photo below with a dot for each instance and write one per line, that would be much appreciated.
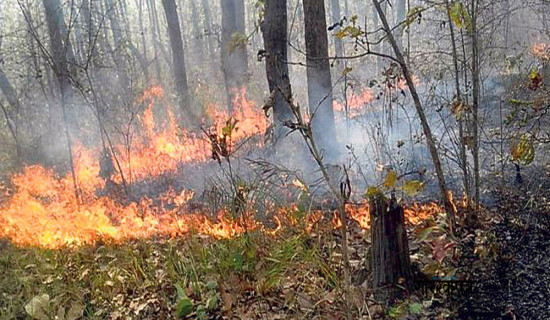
(541, 51)
(171, 145)
(44, 210)
(356, 102)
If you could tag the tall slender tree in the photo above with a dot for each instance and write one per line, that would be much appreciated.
(234, 58)
(319, 81)
(59, 52)
(274, 28)
(116, 31)
(430, 141)
(178, 56)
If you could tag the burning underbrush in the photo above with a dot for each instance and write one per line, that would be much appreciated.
(47, 210)
(99, 247)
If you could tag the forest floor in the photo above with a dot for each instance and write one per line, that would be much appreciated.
(515, 282)
(293, 274)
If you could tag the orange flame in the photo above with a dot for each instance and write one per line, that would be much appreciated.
(42, 208)
(356, 103)
(541, 51)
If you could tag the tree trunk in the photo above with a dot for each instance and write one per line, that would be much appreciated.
(58, 52)
(274, 30)
(476, 94)
(318, 76)
(462, 145)
(208, 29)
(400, 15)
(153, 24)
(178, 57)
(118, 45)
(234, 59)
(11, 95)
(390, 259)
(197, 42)
(421, 115)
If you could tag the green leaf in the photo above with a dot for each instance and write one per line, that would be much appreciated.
(212, 302)
(212, 285)
(415, 308)
(180, 291)
(237, 261)
(518, 102)
(423, 235)
(37, 307)
(460, 16)
(184, 307)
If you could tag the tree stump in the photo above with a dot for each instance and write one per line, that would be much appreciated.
(390, 259)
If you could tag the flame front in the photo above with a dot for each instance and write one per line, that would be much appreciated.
(45, 210)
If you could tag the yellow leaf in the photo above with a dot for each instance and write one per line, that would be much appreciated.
(391, 179)
(413, 187)
(346, 71)
(372, 191)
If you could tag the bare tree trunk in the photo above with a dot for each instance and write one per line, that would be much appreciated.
(178, 56)
(462, 145)
(54, 19)
(11, 95)
(376, 47)
(318, 76)
(154, 37)
(197, 42)
(476, 94)
(118, 45)
(208, 29)
(421, 115)
(234, 60)
(390, 259)
(400, 15)
(274, 29)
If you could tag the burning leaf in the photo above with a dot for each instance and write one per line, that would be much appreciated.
(391, 179)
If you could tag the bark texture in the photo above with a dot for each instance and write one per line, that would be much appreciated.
(178, 58)
(318, 76)
(234, 58)
(274, 30)
(390, 249)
